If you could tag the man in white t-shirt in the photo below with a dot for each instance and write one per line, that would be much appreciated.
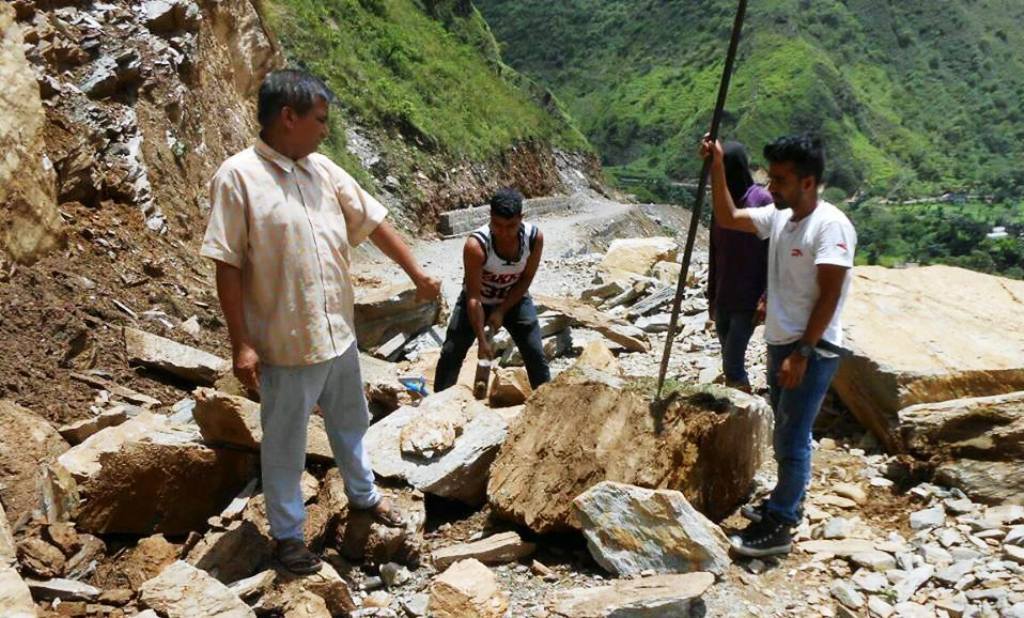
(811, 249)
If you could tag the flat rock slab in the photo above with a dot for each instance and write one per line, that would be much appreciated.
(26, 440)
(133, 476)
(630, 530)
(588, 426)
(458, 466)
(183, 591)
(230, 420)
(920, 335)
(382, 313)
(582, 315)
(63, 589)
(76, 433)
(495, 549)
(172, 357)
(659, 595)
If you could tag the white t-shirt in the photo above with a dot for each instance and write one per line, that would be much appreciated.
(826, 236)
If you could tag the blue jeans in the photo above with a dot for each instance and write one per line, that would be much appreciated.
(734, 329)
(521, 322)
(795, 410)
(287, 398)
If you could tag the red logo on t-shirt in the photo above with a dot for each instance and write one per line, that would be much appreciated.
(796, 253)
(842, 245)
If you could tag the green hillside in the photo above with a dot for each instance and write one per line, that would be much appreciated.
(911, 96)
(424, 76)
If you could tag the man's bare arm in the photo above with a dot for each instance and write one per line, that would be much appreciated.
(245, 360)
(385, 238)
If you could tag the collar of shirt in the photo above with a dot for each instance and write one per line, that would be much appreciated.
(287, 164)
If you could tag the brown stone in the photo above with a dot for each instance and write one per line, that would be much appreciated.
(64, 537)
(58, 493)
(8, 550)
(26, 441)
(660, 595)
(147, 560)
(169, 356)
(586, 426)
(382, 313)
(133, 476)
(77, 432)
(84, 560)
(495, 549)
(238, 551)
(361, 537)
(509, 387)
(325, 584)
(920, 336)
(467, 588)
(628, 257)
(235, 421)
(29, 222)
(40, 558)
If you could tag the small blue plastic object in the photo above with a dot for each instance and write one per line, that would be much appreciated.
(416, 385)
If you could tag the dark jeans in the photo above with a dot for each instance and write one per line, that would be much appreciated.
(521, 322)
(734, 329)
(795, 410)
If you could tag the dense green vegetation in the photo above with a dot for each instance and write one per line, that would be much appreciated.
(425, 76)
(912, 97)
(951, 232)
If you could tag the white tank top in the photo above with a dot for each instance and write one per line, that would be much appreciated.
(500, 274)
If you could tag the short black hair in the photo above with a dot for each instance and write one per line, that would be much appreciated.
(804, 151)
(507, 203)
(293, 88)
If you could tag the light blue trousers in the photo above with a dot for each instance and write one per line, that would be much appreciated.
(288, 395)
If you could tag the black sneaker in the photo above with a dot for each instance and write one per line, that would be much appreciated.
(756, 512)
(769, 537)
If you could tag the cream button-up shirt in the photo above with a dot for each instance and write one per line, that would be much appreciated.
(289, 226)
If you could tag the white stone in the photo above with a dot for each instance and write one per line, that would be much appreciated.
(879, 608)
(459, 472)
(911, 581)
(874, 560)
(846, 594)
(15, 597)
(870, 581)
(656, 596)
(836, 528)
(632, 529)
(954, 572)
(183, 591)
(928, 518)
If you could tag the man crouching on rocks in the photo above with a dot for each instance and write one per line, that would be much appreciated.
(284, 219)
(501, 259)
(811, 248)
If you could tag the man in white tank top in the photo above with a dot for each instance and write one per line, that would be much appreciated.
(501, 259)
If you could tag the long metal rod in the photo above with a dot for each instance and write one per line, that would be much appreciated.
(691, 236)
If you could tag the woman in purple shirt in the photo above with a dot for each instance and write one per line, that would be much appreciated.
(738, 271)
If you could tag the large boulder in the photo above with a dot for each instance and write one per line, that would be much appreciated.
(29, 222)
(382, 313)
(180, 360)
(656, 596)
(132, 477)
(628, 257)
(183, 591)
(630, 530)
(26, 441)
(444, 446)
(920, 336)
(234, 421)
(589, 426)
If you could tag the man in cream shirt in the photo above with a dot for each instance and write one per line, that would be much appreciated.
(284, 219)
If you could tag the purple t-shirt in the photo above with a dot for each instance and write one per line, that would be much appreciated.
(738, 261)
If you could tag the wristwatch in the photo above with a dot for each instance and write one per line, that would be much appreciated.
(805, 349)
